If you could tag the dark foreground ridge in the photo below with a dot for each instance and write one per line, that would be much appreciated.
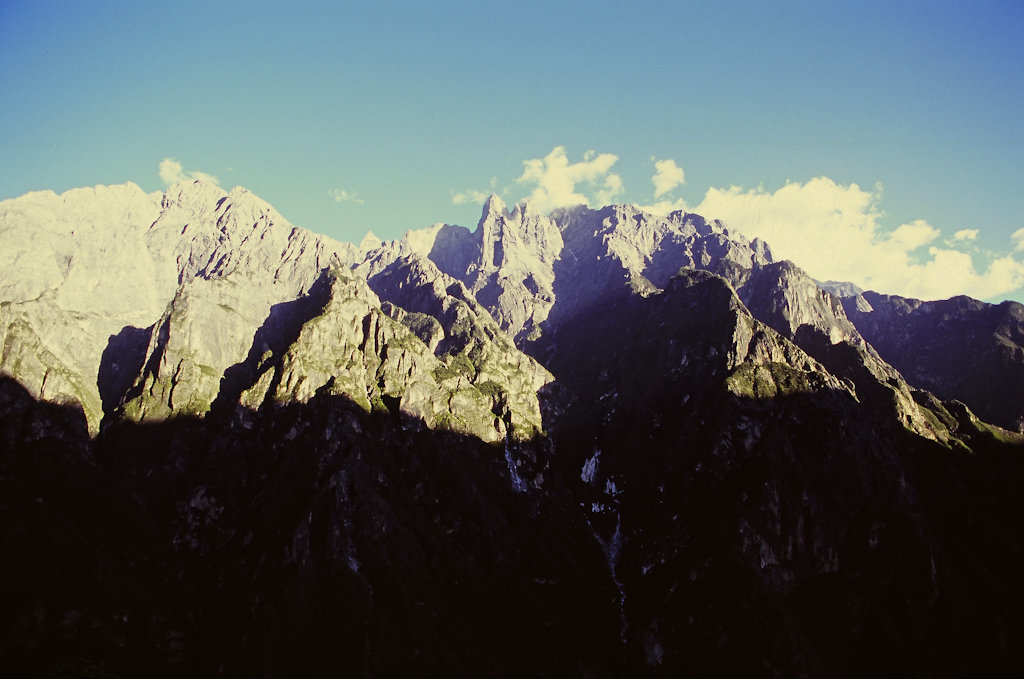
(315, 540)
(321, 540)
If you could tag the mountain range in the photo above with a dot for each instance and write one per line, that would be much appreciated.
(595, 442)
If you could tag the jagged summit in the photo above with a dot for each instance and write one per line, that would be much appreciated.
(493, 204)
(82, 267)
(595, 442)
(841, 288)
(369, 242)
(531, 272)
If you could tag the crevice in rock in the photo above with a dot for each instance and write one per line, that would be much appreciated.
(120, 364)
(279, 331)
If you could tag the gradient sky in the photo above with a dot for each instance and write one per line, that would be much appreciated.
(349, 117)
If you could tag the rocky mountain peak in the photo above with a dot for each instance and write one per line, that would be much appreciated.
(493, 207)
(192, 194)
(958, 348)
(526, 209)
(85, 267)
(369, 242)
(598, 442)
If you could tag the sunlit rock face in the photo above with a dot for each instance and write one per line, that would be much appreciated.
(507, 262)
(535, 273)
(76, 269)
(83, 266)
(596, 442)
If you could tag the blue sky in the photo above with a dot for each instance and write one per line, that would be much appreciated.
(862, 139)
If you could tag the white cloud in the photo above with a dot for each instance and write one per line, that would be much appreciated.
(1018, 240)
(171, 172)
(470, 196)
(833, 232)
(343, 196)
(610, 190)
(667, 176)
(663, 207)
(967, 234)
(914, 235)
(554, 179)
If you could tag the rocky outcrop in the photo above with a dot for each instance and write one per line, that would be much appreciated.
(207, 328)
(958, 348)
(621, 244)
(83, 268)
(473, 347)
(263, 317)
(531, 271)
(354, 348)
(76, 269)
(86, 249)
(791, 302)
(506, 263)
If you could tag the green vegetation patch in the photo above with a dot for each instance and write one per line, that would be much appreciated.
(377, 405)
(771, 380)
(450, 421)
(422, 325)
(459, 364)
(490, 388)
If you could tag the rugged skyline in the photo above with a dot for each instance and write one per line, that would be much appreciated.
(595, 442)
(864, 135)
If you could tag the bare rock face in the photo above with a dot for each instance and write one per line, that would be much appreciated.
(207, 328)
(786, 298)
(212, 298)
(354, 348)
(535, 274)
(87, 248)
(622, 244)
(215, 233)
(651, 350)
(90, 265)
(473, 347)
(958, 348)
(532, 271)
(76, 269)
(513, 276)
(53, 353)
(506, 263)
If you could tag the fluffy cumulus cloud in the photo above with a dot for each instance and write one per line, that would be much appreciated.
(172, 172)
(1018, 240)
(914, 235)
(555, 181)
(834, 232)
(611, 188)
(966, 235)
(343, 196)
(471, 196)
(667, 176)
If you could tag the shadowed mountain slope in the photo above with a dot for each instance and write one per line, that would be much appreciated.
(593, 443)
